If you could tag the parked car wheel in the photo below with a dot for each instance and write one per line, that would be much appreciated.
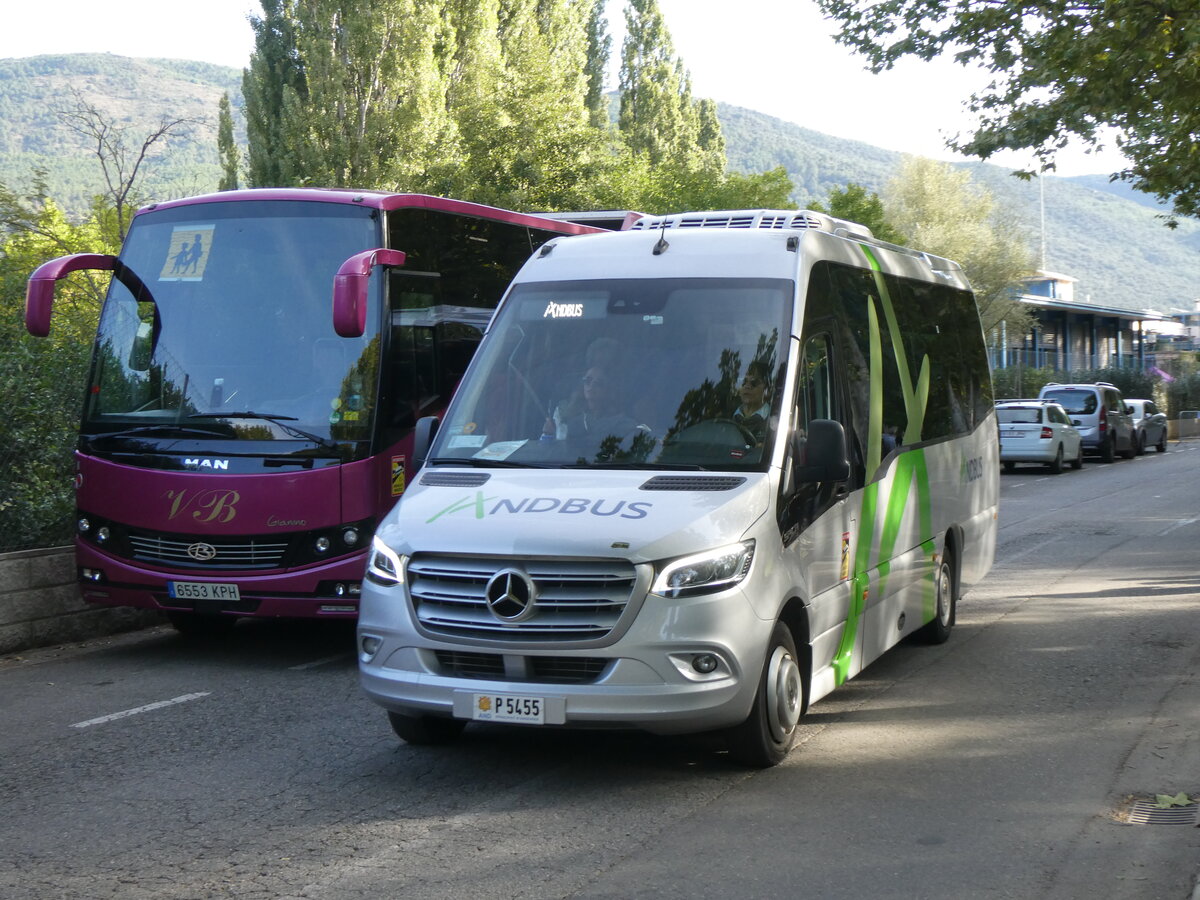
(1108, 451)
(1161, 446)
(1077, 462)
(1056, 465)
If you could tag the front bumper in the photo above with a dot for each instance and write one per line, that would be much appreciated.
(642, 679)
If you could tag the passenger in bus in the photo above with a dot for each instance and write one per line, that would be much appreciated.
(754, 409)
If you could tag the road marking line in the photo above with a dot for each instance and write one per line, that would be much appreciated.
(140, 709)
(1179, 524)
(318, 662)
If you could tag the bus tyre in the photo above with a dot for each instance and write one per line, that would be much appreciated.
(938, 631)
(765, 738)
(201, 628)
(426, 729)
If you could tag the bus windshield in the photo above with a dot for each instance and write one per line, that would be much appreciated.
(233, 332)
(655, 373)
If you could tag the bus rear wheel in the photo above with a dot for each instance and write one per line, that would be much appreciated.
(938, 631)
(765, 738)
(426, 730)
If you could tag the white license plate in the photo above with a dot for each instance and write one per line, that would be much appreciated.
(1011, 434)
(508, 708)
(203, 590)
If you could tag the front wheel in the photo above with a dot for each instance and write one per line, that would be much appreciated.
(765, 738)
(426, 729)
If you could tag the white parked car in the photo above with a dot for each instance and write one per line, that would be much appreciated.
(1037, 431)
(1150, 425)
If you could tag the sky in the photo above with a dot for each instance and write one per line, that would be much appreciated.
(774, 56)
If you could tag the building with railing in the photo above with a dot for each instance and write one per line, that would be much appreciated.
(1072, 334)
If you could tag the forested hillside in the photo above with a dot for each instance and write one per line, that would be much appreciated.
(1110, 239)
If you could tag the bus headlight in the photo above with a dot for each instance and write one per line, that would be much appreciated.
(383, 564)
(705, 573)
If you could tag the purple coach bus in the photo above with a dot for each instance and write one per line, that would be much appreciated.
(241, 434)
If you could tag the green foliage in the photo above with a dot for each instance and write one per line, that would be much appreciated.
(1016, 382)
(938, 209)
(1021, 382)
(226, 148)
(43, 379)
(1183, 393)
(855, 204)
(1061, 68)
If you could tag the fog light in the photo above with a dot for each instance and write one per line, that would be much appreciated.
(84, 526)
(355, 589)
(322, 545)
(339, 590)
(704, 663)
(350, 537)
(93, 575)
(370, 645)
(102, 534)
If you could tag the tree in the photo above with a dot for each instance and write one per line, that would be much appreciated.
(273, 83)
(599, 47)
(43, 378)
(936, 208)
(226, 147)
(120, 163)
(1062, 68)
(854, 204)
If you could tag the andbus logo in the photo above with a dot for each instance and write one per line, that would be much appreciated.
(481, 506)
(563, 310)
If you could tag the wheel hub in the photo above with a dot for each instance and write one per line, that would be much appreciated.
(786, 693)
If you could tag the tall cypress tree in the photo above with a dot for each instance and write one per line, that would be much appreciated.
(227, 149)
(275, 73)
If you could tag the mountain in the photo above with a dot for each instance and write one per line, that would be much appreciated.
(1109, 237)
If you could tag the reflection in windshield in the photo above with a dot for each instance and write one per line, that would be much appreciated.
(665, 372)
(242, 295)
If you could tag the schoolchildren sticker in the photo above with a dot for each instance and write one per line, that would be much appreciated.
(188, 253)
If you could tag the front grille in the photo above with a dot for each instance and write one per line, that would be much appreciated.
(540, 669)
(573, 600)
(236, 553)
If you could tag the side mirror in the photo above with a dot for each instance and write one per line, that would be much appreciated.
(350, 289)
(39, 294)
(821, 455)
(423, 435)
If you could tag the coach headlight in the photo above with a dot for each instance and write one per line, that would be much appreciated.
(705, 573)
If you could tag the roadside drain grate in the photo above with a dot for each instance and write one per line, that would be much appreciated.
(1148, 812)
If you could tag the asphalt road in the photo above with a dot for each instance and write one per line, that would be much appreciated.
(1000, 764)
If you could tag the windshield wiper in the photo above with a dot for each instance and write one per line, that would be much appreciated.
(282, 421)
(483, 463)
(643, 467)
(166, 428)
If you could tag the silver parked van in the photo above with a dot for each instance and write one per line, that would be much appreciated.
(1098, 410)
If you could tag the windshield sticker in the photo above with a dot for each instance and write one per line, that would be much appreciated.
(188, 253)
(500, 450)
(466, 440)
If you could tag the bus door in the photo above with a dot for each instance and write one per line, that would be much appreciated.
(816, 519)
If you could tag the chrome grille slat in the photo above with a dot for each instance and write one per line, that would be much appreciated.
(247, 553)
(575, 599)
